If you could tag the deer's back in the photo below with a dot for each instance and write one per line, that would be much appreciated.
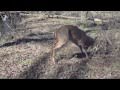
(72, 33)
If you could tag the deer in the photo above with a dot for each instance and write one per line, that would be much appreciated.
(70, 33)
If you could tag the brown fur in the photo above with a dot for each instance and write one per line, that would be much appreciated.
(70, 33)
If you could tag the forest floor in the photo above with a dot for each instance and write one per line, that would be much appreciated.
(27, 54)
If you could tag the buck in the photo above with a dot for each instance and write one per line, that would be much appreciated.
(70, 33)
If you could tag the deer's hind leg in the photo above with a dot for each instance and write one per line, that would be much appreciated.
(58, 43)
(53, 49)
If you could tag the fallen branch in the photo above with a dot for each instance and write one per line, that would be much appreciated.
(63, 17)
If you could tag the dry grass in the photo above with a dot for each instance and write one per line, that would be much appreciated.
(28, 56)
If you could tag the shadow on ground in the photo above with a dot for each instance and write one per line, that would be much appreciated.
(27, 40)
(43, 69)
(36, 70)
